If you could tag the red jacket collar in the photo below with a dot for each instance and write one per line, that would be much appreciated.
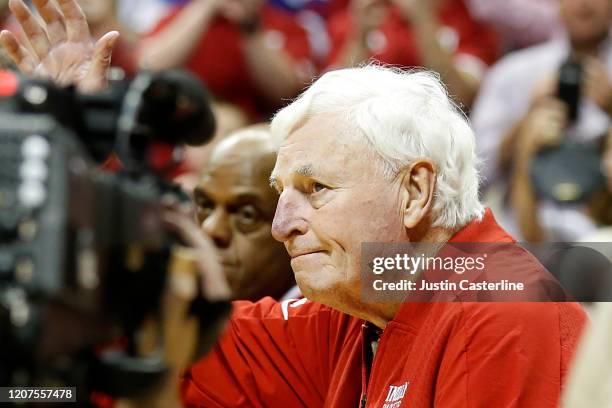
(485, 230)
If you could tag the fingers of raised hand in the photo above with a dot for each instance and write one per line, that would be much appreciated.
(20, 55)
(95, 79)
(56, 30)
(32, 28)
(76, 24)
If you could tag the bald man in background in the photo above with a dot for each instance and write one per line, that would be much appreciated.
(235, 207)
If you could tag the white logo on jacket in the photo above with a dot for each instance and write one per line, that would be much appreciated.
(395, 395)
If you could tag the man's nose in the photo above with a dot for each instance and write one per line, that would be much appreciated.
(288, 219)
(217, 227)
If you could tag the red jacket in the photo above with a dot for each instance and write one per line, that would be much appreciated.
(304, 354)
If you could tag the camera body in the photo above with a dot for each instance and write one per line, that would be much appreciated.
(84, 251)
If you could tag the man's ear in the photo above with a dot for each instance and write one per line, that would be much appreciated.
(418, 187)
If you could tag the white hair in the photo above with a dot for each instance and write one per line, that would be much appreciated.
(404, 115)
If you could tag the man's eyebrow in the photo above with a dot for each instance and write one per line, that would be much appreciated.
(306, 170)
(246, 198)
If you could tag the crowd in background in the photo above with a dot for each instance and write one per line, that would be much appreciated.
(500, 59)
(534, 76)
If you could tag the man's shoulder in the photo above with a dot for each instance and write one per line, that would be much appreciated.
(481, 327)
(564, 319)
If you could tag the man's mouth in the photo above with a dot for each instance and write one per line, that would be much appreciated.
(297, 254)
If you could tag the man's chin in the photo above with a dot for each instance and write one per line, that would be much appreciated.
(318, 284)
(325, 293)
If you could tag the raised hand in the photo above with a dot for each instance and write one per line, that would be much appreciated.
(61, 47)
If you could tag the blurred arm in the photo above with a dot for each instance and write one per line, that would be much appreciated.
(172, 46)
(462, 84)
(543, 126)
(350, 32)
(271, 69)
(523, 199)
(354, 52)
(591, 373)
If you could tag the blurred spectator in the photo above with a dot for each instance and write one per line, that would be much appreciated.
(235, 207)
(325, 8)
(313, 15)
(518, 113)
(247, 52)
(519, 23)
(102, 16)
(590, 380)
(437, 34)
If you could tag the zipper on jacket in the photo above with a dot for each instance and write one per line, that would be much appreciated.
(370, 335)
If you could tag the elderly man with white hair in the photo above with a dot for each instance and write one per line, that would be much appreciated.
(373, 154)
(378, 155)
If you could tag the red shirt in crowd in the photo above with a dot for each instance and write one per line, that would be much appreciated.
(219, 61)
(394, 42)
(462, 354)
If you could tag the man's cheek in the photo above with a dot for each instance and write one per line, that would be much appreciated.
(255, 245)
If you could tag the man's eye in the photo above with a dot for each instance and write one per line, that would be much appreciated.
(203, 211)
(318, 187)
(247, 215)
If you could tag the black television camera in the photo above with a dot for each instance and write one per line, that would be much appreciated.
(83, 251)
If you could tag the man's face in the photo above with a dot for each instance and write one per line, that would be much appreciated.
(332, 199)
(235, 207)
(586, 20)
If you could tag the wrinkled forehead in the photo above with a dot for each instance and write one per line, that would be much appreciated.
(325, 145)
